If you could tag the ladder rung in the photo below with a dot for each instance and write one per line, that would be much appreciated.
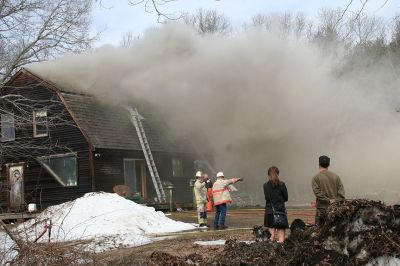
(147, 153)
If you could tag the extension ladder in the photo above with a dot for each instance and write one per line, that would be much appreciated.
(135, 118)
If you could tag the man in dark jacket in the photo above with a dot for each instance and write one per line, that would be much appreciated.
(327, 188)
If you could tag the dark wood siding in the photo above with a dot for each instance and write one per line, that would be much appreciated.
(109, 171)
(98, 169)
(109, 167)
(64, 137)
(182, 191)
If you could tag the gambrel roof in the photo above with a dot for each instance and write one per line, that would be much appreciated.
(105, 125)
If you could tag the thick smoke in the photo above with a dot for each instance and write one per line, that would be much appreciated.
(260, 101)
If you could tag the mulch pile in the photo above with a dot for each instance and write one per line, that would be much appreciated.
(356, 232)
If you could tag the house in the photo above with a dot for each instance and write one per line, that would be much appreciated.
(57, 144)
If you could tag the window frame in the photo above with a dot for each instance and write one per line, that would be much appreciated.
(54, 174)
(35, 123)
(179, 173)
(2, 122)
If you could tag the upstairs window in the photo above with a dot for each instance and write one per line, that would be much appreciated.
(40, 123)
(177, 167)
(7, 127)
(62, 167)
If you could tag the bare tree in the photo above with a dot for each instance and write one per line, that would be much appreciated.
(127, 39)
(302, 26)
(21, 108)
(395, 40)
(152, 6)
(364, 28)
(332, 29)
(208, 22)
(37, 30)
(261, 21)
(31, 124)
(284, 25)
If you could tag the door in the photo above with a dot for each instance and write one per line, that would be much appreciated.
(16, 174)
(134, 173)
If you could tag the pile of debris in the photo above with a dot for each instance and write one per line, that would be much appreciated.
(356, 232)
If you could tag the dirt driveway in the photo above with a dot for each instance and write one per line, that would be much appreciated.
(240, 223)
(244, 218)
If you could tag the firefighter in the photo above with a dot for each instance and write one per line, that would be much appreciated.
(200, 193)
(209, 185)
(221, 197)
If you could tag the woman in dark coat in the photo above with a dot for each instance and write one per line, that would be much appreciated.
(276, 195)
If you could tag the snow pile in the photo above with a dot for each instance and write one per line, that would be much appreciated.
(219, 242)
(384, 261)
(106, 219)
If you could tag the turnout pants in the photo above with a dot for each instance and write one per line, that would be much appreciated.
(201, 213)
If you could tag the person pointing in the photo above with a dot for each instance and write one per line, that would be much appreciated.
(221, 197)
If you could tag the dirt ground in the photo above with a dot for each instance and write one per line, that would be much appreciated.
(240, 222)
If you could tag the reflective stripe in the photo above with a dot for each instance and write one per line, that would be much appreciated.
(219, 190)
(222, 202)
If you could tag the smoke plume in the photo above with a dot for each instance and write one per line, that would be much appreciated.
(259, 100)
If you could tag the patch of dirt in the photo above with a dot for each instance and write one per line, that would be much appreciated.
(178, 246)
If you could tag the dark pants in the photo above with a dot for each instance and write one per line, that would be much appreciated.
(220, 214)
(320, 216)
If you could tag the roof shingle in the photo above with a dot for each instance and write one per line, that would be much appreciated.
(110, 127)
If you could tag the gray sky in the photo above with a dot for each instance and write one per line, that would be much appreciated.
(115, 17)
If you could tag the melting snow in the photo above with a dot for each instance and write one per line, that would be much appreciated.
(106, 219)
(385, 261)
(219, 242)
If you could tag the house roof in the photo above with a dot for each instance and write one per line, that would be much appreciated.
(108, 125)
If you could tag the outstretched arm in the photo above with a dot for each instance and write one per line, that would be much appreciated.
(230, 181)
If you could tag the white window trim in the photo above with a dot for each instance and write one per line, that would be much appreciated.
(59, 180)
(13, 122)
(181, 165)
(35, 135)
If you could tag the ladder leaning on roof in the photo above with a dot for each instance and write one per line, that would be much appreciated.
(134, 115)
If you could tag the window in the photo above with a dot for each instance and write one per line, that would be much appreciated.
(177, 167)
(7, 127)
(40, 123)
(62, 168)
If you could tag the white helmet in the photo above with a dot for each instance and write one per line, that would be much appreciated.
(198, 174)
(220, 174)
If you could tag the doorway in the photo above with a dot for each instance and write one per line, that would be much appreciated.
(135, 176)
(16, 176)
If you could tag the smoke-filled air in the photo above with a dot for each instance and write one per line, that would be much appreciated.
(257, 100)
